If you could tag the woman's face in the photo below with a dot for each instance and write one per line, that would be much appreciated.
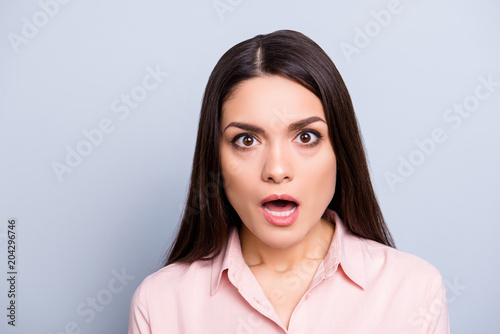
(275, 142)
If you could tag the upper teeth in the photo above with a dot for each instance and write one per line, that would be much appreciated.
(280, 214)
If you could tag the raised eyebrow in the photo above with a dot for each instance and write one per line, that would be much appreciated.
(246, 127)
(303, 123)
(293, 127)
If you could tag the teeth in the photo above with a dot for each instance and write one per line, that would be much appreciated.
(280, 214)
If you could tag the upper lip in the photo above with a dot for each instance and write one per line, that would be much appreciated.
(275, 197)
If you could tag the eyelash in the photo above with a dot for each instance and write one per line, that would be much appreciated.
(310, 145)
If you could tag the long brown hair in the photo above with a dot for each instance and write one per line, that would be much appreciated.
(208, 215)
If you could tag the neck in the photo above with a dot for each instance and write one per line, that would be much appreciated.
(313, 247)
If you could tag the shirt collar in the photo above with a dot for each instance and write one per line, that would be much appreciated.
(230, 258)
(345, 249)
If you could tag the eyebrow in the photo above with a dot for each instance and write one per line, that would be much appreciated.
(291, 128)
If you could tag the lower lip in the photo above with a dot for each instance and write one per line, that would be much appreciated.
(281, 221)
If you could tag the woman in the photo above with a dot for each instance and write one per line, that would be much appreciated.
(282, 231)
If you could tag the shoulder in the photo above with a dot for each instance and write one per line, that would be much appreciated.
(392, 256)
(398, 283)
(173, 280)
(167, 289)
(397, 267)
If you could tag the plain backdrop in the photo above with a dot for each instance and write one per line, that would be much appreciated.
(99, 110)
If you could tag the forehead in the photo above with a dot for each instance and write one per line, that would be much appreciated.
(271, 100)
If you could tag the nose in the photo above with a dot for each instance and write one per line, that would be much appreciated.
(278, 166)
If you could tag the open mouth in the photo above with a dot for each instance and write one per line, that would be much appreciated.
(280, 207)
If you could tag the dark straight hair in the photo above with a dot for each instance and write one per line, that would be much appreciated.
(208, 216)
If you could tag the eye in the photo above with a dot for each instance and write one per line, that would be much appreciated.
(308, 138)
(244, 141)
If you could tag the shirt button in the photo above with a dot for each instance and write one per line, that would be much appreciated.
(308, 294)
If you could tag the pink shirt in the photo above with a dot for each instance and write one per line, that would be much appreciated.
(361, 286)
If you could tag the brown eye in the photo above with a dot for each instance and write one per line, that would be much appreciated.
(309, 138)
(248, 141)
(244, 141)
(305, 137)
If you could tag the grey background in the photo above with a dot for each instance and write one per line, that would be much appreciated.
(116, 211)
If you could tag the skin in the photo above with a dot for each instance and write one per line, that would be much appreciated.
(278, 161)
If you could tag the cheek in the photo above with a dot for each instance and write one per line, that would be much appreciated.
(231, 168)
(236, 177)
(321, 178)
(330, 173)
